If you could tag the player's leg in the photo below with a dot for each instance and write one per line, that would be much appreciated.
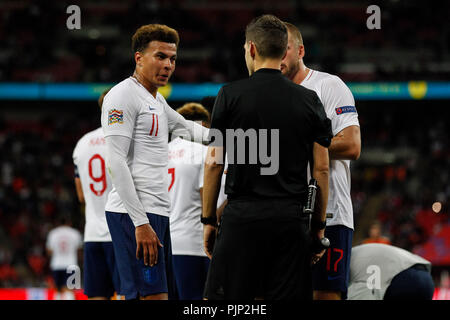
(64, 292)
(113, 272)
(331, 274)
(167, 286)
(97, 278)
(58, 279)
(190, 276)
(137, 280)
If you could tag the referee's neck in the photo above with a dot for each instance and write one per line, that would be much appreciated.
(268, 64)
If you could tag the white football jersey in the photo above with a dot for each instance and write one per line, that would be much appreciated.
(130, 110)
(64, 242)
(382, 260)
(89, 157)
(339, 105)
(186, 167)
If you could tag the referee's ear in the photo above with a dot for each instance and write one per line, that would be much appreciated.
(252, 49)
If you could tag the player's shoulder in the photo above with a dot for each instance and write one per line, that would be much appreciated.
(87, 138)
(121, 91)
(97, 133)
(328, 80)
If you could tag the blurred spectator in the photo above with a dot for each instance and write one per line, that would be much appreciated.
(375, 235)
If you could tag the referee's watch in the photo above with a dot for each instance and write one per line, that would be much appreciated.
(210, 220)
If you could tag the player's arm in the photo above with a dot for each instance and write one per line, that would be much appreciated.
(186, 129)
(321, 174)
(321, 141)
(346, 145)
(338, 100)
(146, 239)
(78, 186)
(79, 190)
(119, 113)
(220, 209)
(213, 171)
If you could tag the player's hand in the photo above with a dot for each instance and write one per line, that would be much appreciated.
(147, 243)
(209, 238)
(316, 256)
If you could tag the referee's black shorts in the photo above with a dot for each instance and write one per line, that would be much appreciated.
(262, 250)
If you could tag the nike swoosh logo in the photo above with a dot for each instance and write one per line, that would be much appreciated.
(150, 108)
(333, 278)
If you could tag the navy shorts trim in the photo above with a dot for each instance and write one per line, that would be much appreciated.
(60, 277)
(332, 272)
(190, 276)
(137, 279)
(101, 277)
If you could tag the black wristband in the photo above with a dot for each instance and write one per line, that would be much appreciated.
(318, 225)
(210, 220)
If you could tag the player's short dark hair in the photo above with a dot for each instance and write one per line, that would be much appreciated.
(195, 112)
(102, 96)
(269, 34)
(153, 32)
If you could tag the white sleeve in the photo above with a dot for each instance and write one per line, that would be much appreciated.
(339, 104)
(119, 113)
(186, 129)
(117, 149)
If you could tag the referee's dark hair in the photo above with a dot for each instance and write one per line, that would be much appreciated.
(269, 34)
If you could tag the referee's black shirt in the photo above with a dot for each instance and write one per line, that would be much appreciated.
(268, 100)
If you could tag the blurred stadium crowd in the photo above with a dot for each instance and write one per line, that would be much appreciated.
(405, 161)
(409, 45)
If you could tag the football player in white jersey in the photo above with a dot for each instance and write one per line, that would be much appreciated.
(101, 277)
(186, 162)
(63, 245)
(331, 274)
(136, 121)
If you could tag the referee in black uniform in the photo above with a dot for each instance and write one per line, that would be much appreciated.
(262, 247)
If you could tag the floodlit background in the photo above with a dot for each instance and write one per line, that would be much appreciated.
(50, 78)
